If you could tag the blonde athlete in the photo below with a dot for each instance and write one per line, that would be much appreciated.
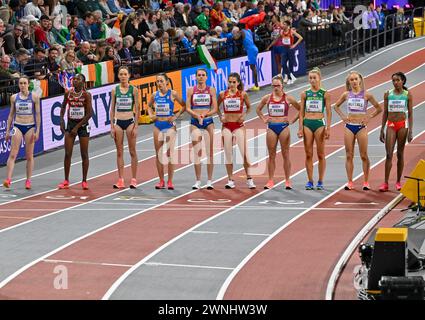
(233, 100)
(356, 121)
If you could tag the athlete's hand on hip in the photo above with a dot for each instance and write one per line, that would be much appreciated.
(346, 120)
(382, 136)
(266, 120)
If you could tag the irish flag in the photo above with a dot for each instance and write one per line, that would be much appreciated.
(101, 73)
(206, 57)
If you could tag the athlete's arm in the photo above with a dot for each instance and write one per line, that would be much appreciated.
(248, 106)
(301, 116)
(219, 102)
(62, 113)
(410, 116)
(36, 100)
(338, 104)
(384, 118)
(112, 113)
(328, 115)
(376, 105)
(214, 106)
(260, 107)
(296, 105)
(300, 38)
(11, 116)
(87, 113)
(180, 100)
(137, 109)
(189, 110)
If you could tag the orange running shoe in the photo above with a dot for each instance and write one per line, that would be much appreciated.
(28, 184)
(160, 185)
(7, 183)
(269, 184)
(383, 187)
(133, 184)
(288, 185)
(349, 185)
(84, 185)
(170, 185)
(398, 185)
(120, 184)
(64, 185)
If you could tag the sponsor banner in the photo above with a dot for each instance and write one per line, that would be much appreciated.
(264, 69)
(99, 123)
(299, 61)
(218, 79)
(147, 86)
(5, 146)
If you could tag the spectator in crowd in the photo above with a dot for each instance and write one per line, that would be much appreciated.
(155, 48)
(341, 13)
(109, 54)
(37, 66)
(381, 16)
(193, 14)
(84, 28)
(202, 21)
(216, 15)
(13, 40)
(21, 58)
(52, 57)
(32, 8)
(69, 61)
(5, 71)
(182, 15)
(84, 54)
(152, 22)
(125, 53)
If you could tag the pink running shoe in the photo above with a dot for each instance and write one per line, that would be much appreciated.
(269, 184)
(398, 185)
(288, 185)
(7, 183)
(120, 184)
(366, 186)
(133, 184)
(383, 187)
(64, 185)
(84, 185)
(170, 185)
(349, 185)
(160, 185)
(28, 184)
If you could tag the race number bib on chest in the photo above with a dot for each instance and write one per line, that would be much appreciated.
(76, 112)
(314, 106)
(396, 105)
(124, 104)
(232, 105)
(162, 109)
(356, 104)
(277, 110)
(286, 41)
(201, 99)
(24, 108)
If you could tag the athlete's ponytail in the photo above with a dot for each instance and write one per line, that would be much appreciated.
(403, 78)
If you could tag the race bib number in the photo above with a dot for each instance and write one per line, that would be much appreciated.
(24, 108)
(201, 99)
(356, 104)
(277, 110)
(162, 109)
(76, 113)
(286, 41)
(124, 104)
(314, 106)
(232, 105)
(396, 105)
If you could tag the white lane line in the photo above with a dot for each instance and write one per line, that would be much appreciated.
(88, 262)
(122, 278)
(160, 264)
(231, 233)
(255, 102)
(229, 279)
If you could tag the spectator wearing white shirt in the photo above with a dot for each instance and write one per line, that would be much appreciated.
(31, 8)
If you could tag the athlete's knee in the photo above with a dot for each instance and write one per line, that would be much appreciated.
(133, 153)
(68, 154)
(400, 155)
(309, 155)
(321, 156)
(364, 157)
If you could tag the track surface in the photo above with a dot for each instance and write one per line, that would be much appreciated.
(184, 244)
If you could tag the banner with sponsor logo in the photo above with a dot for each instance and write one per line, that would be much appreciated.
(5, 145)
(99, 123)
(147, 86)
(264, 70)
(299, 61)
(218, 79)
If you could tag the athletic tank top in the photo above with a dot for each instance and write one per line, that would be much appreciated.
(315, 101)
(287, 38)
(356, 103)
(276, 33)
(278, 108)
(398, 102)
(124, 101)
(76, 102)
(201, 99)
(24, 107)
(164, 105)
(233, 103)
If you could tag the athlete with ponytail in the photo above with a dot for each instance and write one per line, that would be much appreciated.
(315, 106)
(356, 121)
(233, 116)
(397, 109)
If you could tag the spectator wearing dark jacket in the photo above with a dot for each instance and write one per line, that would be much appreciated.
(84, 28)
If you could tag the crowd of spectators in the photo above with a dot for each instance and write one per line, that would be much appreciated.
(39, 38)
